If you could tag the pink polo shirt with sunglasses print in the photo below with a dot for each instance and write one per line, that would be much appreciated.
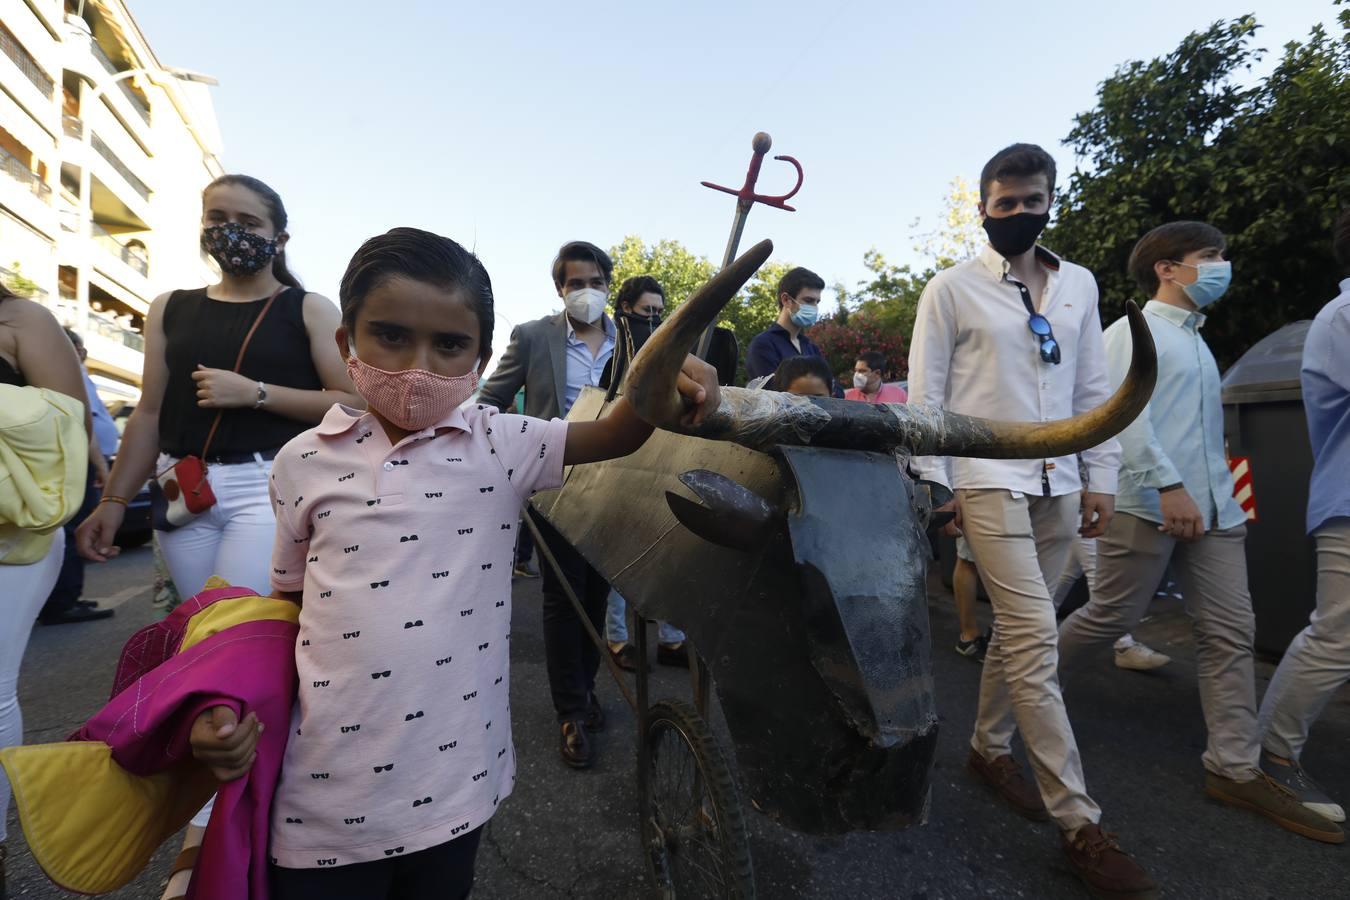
(401, 733)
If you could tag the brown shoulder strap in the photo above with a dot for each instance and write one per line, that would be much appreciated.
(239, 361)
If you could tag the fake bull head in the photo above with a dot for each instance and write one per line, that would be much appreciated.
(797, 567)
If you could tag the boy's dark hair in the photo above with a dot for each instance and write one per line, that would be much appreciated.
(276, 211)
(875, 361)
(795, 281)
(1017, 161)
(581, 251)
(1340, 241)
(421, 256)
(633, 289)
(1169, 242)
(794, 367)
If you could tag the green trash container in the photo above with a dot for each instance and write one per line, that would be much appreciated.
(1264, 423)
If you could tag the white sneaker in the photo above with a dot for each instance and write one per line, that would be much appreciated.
(1141, 658)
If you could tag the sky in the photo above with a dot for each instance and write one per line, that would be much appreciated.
(514, 127)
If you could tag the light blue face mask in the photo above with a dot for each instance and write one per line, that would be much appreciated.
(1211, 282)
(805, 316)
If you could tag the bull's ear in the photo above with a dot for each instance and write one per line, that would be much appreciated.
(730, 515)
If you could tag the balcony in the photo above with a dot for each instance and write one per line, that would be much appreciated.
(26, 64)
(136, 259)
(15, 169)
(114, 350)
(72, 127)
(119, 167)
(138, 103)
(108, 327)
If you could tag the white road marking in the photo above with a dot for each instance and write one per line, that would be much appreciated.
(113, 601)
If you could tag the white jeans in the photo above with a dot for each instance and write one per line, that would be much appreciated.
(232, 539)
(26, 589)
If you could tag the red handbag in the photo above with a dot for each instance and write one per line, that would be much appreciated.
(182, 492)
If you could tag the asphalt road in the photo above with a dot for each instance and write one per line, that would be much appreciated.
(573, 834)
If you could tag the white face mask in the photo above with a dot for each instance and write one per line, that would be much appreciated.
(586, 305)
(860, 381)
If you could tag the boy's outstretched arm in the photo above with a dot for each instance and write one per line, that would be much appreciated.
(621, 432)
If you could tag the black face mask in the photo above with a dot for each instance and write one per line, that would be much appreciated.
(640, 327)
(1016, 234)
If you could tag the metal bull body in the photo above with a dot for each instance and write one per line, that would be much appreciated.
(743, 531)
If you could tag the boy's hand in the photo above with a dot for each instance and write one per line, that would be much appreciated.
(697, 385)
(225, 744)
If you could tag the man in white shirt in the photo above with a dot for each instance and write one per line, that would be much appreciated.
(1014, 334)
(1176, 504)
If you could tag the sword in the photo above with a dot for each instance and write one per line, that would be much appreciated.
(746, 198)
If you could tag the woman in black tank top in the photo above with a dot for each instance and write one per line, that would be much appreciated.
(289, 377)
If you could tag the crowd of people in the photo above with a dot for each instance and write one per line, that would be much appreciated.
(328, 465)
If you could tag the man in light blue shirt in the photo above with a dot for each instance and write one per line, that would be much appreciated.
(1175, 503)
(1317, 663)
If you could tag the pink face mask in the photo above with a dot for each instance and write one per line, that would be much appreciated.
(414, 398)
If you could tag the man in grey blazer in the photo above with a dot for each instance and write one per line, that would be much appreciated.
(553, 358)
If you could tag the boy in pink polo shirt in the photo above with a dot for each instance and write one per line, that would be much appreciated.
(396, 528)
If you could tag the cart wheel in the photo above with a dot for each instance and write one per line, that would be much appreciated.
(693, 831)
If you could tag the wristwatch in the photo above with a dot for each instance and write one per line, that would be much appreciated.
(262, 396)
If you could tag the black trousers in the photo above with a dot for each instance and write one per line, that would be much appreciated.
(572, 657)
(70, 583)
(524, 546)
(443, 872)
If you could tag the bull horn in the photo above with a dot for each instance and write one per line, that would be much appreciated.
(762, 419)
(651, 377)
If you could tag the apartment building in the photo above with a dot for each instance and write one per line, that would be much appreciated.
(103, 156)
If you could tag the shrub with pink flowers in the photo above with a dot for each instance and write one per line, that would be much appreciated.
(842, 337)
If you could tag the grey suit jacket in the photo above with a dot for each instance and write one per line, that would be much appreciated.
(537, 360)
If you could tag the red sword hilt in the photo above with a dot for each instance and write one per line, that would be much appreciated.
(746, 196)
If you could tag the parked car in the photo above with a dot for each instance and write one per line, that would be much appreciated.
(136, 524)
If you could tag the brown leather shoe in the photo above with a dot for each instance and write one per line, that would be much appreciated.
(575, 745)
(626, 658)
(1107, 870)
(1004, 775)
(1262, 794)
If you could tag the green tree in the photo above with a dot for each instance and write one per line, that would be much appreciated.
(681, 272)
(844, 336)
(1180, 137)
(19, 284)
(890, 296)
(959, 234)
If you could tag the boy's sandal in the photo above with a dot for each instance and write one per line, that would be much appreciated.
(185, 862)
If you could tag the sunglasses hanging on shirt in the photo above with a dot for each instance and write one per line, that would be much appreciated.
(1039, 325)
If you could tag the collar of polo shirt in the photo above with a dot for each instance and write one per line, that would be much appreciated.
(341, 419)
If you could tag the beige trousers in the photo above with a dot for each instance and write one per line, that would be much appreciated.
(1022, 544)
(1317, 662)
(1131, 558)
